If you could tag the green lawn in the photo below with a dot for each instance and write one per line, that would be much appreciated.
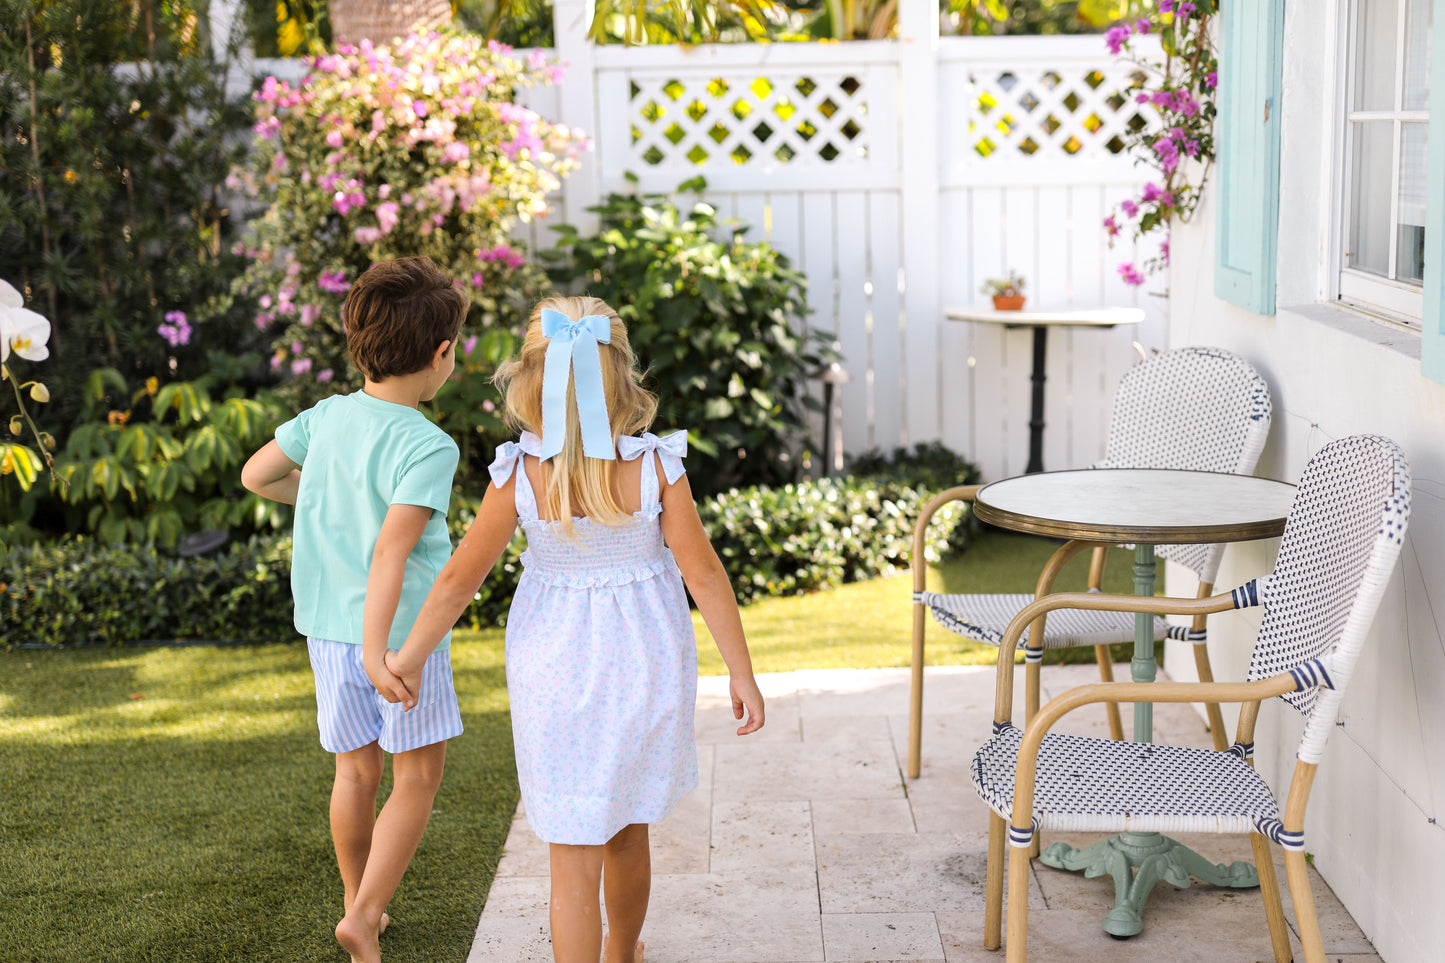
(169, 804)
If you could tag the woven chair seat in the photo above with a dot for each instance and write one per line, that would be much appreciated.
(1099, 785)
(986, 617)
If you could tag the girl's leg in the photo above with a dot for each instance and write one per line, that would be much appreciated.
(627, 880)
(575, 910)
(353, 813)
(417, 774)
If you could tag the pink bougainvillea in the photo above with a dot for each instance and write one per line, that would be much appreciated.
(1179, 144)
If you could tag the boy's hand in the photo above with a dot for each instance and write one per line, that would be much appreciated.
(745, 693)
(390, 685)
(410, 681)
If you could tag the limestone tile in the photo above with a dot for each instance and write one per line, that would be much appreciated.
(732, 918)
(892, 873)
(824, 770)
(948, 743)
(514, 927)
(834, 816)
(765, 838)
(680, 841)
(863, 937)
(1338, 930)
(845, 728)
(847, 692)
(524, 854)
(946, 803)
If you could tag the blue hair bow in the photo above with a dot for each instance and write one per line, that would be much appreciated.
(573, 348)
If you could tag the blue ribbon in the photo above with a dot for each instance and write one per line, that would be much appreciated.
(573, 348)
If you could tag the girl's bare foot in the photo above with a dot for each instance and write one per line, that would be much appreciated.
(385, 922)
(636, 952)
(359, 939)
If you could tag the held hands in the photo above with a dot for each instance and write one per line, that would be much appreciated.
(745, 693)
(409, 679)
(391, 686)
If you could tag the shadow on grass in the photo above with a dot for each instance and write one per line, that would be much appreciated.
(211, 842)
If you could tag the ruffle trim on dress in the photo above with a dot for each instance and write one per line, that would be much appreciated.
(596, 580)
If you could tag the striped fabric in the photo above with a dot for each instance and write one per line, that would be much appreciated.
(350, 712)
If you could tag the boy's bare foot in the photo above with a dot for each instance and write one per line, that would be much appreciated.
(359, 939)
(606, 958)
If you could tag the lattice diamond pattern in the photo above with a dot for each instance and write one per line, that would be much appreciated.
(1044, 112)
(782, 119)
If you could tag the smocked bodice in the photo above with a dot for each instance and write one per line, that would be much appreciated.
(595, 554)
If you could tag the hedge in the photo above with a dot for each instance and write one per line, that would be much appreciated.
(773, 541)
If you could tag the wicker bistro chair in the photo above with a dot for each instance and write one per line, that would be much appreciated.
(1195, 408)
(1341, 539)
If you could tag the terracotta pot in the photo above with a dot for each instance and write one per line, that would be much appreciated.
(1008, 302)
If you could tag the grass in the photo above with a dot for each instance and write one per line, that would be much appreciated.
(169, 804)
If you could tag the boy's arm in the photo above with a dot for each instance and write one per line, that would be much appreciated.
(708, 583)
(400, 531)
(270, 474)
(459, 580)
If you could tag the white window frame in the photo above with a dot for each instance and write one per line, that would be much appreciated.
(1400, 301)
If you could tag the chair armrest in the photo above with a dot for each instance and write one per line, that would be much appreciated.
(919, 563)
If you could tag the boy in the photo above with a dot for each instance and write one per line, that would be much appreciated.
(370, 537)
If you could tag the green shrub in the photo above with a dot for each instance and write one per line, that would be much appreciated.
(713, 322)
(786, 540)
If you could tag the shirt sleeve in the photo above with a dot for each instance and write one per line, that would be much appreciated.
(294, 437)
(427, 479)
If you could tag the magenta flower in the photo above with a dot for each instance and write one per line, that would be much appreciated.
(333, 282)
(176, 330)
(1129, 208)
(1141, 26)
(476, 280)
(469, 345)
(1164, 249)
(1131, 275)
(300, 366)
(1211, 79)
(309, 314)
(1115, 38)
(1152, 192)
(325, 375)
(1111, 226)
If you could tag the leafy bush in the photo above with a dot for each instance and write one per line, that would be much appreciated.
(772, 541)
(715, 324)
(112, 214)
(409, 148)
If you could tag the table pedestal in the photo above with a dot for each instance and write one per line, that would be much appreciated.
(1155, 857)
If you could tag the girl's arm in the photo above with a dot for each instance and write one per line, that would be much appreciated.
(458, 582)
(270, 474)
(401, 529)
(708, 582)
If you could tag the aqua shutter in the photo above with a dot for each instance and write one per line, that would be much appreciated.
(1432, 334)
(1247, 222)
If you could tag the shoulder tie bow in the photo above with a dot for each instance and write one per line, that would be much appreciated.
(509, 454)
(671, 450)
(573, 348)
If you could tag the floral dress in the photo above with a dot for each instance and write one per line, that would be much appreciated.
(601, 661)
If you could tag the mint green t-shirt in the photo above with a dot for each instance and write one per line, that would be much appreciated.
(360, 455)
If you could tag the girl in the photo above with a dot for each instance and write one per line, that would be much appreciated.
(601, 659)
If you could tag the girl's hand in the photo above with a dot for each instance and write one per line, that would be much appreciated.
(745, 693)
(410, 681)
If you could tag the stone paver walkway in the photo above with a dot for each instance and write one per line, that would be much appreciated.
(805, 843)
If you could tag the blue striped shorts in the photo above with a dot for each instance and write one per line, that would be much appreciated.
(351, 713)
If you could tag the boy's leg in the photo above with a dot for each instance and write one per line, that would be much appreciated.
(575, 911)
(416, 775)
(627, 881)
(353, 813)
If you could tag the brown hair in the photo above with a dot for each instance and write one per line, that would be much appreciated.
(577, 484)
(398, 312)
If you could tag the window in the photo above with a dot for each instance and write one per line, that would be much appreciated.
(1387, 92)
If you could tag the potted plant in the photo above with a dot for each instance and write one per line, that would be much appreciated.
(1007, 291)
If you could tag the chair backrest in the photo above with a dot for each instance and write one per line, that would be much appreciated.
(1339, 547)
(1196, 408)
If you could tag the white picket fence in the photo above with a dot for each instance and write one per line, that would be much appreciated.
(897, 175)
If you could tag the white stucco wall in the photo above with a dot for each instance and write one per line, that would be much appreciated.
(1372, 821)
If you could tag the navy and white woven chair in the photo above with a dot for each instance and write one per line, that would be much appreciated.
(1339, 546)
(1196, 408)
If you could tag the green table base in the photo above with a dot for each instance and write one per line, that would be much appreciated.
(1154, 856)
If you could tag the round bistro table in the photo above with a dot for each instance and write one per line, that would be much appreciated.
(1146, 507)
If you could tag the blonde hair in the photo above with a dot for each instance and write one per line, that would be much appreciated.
(576, 484)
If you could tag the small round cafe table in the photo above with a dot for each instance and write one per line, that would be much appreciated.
(1145, 507)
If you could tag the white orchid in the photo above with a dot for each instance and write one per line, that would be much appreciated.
(21, 329)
